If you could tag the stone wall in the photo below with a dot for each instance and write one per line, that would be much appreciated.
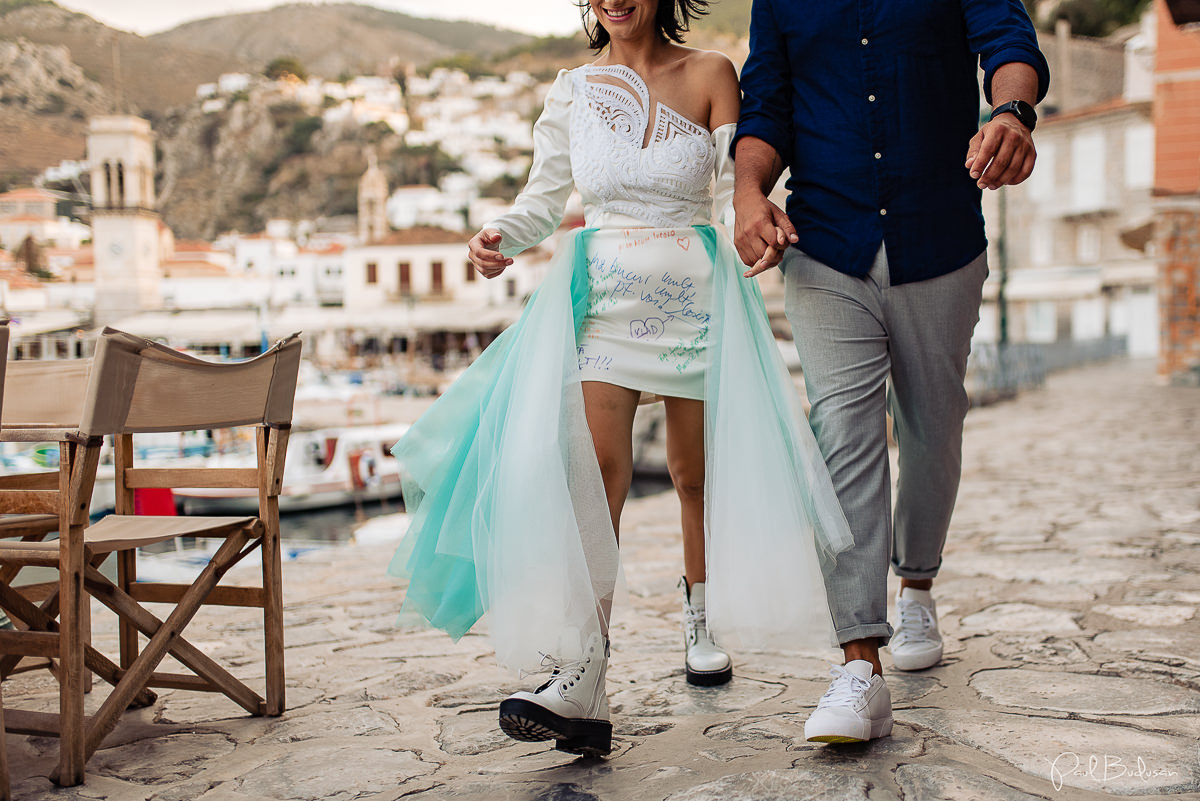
(1179, 293)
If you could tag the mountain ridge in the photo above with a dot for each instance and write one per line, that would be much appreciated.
(42, 124)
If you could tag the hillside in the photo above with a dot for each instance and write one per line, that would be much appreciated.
(339, 39)
(59, 67)
(45, 102)
(154, 76)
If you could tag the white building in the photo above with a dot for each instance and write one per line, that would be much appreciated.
(260, 254)
(422, 265)
(311, 277)
(31, 213)
(422, 204)
(1080, 265)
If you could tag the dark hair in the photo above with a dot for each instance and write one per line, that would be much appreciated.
(673, 19)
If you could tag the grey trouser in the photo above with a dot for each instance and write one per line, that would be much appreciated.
(852, 334)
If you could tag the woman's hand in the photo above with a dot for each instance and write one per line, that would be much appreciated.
(762, 241)
(485, 254)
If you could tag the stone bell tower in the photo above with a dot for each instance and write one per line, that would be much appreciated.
(372, 201)
(125, 225)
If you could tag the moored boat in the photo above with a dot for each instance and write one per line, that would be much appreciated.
(325, 467)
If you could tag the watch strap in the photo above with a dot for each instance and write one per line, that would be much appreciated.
(1024, 112)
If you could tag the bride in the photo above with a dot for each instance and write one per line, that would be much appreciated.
(518, 474)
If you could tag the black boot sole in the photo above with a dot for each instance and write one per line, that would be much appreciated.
(708, 678)
(530, 723)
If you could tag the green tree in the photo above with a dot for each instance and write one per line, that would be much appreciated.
(285, 65)
(12, 5)
(1098, 17)
(299, 138)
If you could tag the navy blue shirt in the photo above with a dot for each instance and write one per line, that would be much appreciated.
(871, 104)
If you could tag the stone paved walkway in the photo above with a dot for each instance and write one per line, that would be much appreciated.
(1068, 598)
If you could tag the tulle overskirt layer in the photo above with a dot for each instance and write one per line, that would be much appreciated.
(509, 517)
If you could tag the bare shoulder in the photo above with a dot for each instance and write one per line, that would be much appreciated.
(712, 65)
(708, 73)
(713, 76)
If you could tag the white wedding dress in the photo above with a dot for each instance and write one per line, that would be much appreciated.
(510, 518)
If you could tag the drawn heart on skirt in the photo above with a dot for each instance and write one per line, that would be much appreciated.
(684, 242)
(650, 328)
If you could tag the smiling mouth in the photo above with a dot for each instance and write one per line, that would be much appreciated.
(618, 15)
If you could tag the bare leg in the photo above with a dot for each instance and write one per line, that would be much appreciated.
(610, 410)
(685, 462)
(866, 649)
(917, 584)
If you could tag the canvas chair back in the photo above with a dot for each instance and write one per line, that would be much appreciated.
(151, 387)
(58, 403)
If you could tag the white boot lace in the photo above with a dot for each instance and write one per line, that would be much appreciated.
(562, 671)
(845, 689)
(915, 621)
(696, 621)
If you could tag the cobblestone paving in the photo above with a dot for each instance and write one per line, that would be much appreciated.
(1068, 598)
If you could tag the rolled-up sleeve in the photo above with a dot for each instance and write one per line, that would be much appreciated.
(1000, 32)
(766, 85)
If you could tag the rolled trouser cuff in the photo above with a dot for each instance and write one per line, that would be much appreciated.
(863, 631)
(909, 573)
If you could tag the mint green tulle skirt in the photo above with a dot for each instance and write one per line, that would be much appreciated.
(508, 513)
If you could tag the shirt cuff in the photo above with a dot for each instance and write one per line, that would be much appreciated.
(1026, 55)
(766, 130)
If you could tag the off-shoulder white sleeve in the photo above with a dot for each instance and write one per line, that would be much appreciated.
(723, 191)
(538, 210)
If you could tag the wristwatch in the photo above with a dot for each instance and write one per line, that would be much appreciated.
(1019, 109)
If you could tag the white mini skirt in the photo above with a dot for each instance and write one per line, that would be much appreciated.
(650, 295)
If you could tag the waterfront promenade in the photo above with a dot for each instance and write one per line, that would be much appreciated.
(1069, 600)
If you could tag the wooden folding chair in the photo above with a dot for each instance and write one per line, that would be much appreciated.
(30, 527)
(154, 389)
(43, 402)
(138, 386)
(5, 792)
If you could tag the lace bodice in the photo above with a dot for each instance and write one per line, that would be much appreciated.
(653, 167)
(634, 166)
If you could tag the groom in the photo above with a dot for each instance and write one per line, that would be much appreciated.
(874, 106)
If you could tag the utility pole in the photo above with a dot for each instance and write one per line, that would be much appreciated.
(1002, 258)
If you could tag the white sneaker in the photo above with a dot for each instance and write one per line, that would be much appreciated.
(571, 708)
(856, 707)
(917, 644)
(705, 663)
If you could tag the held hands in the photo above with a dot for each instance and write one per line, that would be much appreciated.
(762, 232)
(484, 253)
(1001, 153)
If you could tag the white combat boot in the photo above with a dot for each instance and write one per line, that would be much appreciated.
(571, 708)
(706, 663)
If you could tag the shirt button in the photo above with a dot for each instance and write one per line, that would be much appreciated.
(878, 155)
(871, 98)
(864, 41)
(883, 212)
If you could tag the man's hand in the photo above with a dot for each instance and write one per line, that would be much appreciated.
(1001, 153)
(762, 232)
(484, 253)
